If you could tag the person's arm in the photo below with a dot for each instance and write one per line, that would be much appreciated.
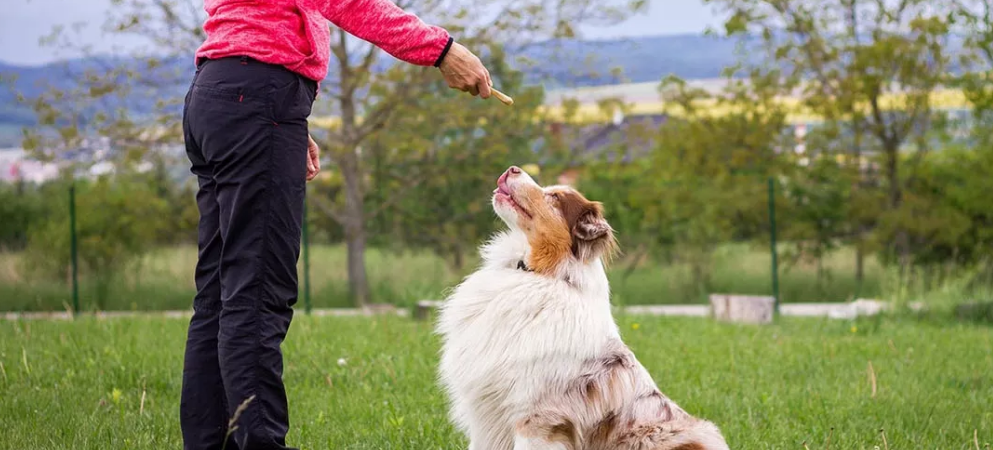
(406, 37)
(385, 25)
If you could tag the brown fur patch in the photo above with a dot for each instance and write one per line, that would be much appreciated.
(560, 223)
(573, 206)
(603, 430)
(691, 446)
(550, 428)
(590, 235)
(549, 247)
(549, 238)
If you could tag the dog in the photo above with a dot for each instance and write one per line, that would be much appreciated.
(531, 356)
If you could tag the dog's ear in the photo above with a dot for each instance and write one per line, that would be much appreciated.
(591, 226)
(592, 235)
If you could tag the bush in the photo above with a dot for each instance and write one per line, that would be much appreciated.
(21, 207)
(117, 221)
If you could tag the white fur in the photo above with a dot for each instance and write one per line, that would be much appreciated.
(511, 336)
(524, 353)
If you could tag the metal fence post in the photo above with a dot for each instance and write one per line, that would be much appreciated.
(772, 244)
(306, 260)
(73, 250)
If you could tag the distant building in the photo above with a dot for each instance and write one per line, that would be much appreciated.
(584, 117)
(15, 166)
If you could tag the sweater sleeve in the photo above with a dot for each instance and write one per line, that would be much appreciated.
(387, 26)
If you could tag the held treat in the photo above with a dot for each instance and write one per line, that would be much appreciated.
(503, 97)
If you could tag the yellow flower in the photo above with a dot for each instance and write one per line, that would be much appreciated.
(635, 326)
(115, 395)
(854, 329)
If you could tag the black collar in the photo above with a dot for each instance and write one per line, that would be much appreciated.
(522, 266)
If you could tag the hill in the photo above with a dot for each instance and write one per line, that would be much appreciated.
(564, 64)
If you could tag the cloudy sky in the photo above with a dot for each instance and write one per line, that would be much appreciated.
(24, 22)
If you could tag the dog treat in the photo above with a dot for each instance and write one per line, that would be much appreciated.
(503, 97)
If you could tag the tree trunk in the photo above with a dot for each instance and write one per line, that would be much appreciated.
(458, 259)
(900, 241)
(859, 264)
(857, 184)
(355, 235)
(358, 284)
(820, 273)
(353, 219)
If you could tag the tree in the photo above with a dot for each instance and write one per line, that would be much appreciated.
(706, 178)
(364, 92)
(461, 155)
(867, 66)
(367, 102)
(117, 222)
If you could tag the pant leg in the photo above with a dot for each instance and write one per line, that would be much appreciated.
(203, 405)
(250, 120)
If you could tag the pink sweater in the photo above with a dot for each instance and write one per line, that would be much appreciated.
(295, 34)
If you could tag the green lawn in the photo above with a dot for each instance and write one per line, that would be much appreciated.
(79, 385)
(164, 280)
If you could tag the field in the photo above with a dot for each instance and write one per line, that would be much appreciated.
(163, 280)
(98, 384)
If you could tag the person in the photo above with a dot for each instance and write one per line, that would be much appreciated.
(245, 128)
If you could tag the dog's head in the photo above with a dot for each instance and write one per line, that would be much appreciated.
(560, 223)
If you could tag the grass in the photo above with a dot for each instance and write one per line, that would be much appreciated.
(115, 383)
(164, 280)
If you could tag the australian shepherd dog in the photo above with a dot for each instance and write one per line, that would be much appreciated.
(532, 358)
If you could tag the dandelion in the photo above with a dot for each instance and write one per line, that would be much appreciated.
(855, 329)
(115, 395)
(635, 326)
(341, 362)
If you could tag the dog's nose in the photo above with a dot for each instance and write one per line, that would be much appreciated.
(514, 170)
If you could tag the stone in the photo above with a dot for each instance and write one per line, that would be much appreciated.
(742, 308)
(423, 309)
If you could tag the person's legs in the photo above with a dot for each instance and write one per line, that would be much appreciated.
(250, 120)
(203, 405)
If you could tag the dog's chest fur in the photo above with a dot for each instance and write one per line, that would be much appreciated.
(512, 336)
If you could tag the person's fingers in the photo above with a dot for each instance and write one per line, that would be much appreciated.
(474, 90)
(484, 87)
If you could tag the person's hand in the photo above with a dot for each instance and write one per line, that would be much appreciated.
(465, 72)
(313, 158)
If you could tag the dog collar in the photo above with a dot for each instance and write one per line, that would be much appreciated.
(522, 266)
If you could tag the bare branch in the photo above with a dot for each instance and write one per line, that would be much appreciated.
(327, 209)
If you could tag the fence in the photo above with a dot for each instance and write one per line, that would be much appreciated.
(125, 254)
(131, 244)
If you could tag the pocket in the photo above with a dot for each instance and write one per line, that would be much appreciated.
(294, 102)
(228, 94)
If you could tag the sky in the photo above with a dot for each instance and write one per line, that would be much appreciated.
(24, 22)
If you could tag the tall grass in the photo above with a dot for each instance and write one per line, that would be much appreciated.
(746, 269)
(164, 280)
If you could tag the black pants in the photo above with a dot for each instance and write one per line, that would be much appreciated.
(245, 126)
